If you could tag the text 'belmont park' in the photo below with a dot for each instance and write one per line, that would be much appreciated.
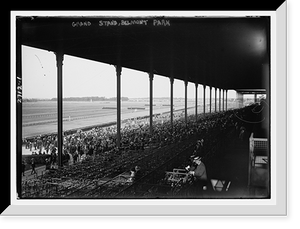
(154, 22)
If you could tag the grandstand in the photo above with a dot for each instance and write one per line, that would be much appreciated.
(106, 173)
(235, 149)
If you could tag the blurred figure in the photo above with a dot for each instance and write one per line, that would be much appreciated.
(33, 166)
(71, 159)
(135, 174)
(199, 149)
(242, 133)
(53, 158)
(48, 163)
(199, 173)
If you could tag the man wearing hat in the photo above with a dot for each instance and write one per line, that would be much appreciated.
(199, 173)
(199, 149)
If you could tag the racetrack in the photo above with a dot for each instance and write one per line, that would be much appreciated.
(41, 117)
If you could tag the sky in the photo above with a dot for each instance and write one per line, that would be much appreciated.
(83, 77)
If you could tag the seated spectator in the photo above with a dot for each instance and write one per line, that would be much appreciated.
(135, 174)
(199, 172)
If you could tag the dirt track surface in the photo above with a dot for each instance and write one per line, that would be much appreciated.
(41, 117)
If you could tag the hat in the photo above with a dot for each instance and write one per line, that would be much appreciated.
(197, 158)
(192, 157)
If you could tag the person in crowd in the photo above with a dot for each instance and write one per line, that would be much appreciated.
(33, 166)
(200, 177)
(75, 156)
(53, 158)
(48, 163)
(199, 149)
(30, 146)
(26, 143)
(71, 159)
(242, 133)
(135, 173)
(83, 157)
(65, 158)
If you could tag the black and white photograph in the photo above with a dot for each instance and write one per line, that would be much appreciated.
(144, 107)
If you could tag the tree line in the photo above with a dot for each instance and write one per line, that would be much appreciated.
(91, 98)
(81, 99)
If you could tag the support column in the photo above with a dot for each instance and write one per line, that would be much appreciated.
(196, 101)
(59, 64)
(223, 99)
(210, 88)
(118, 73)
(204, 98)
(216, 99)
(220, 99)
(151, 101)
(255, 97)
(226, 99)
(185, 100)
(171, 101)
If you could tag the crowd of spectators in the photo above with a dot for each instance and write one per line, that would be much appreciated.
(135, 135)
(105, 159)
(82, 144)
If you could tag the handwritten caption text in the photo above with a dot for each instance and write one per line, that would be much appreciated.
(141, 22)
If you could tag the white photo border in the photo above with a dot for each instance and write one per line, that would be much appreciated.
(276, 205)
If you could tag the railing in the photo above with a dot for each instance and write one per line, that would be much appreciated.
(258, 149)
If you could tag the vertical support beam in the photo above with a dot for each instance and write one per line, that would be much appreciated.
(220, 99)
(226, 99)
(204, 98)
(59, 64)
(185, 100)
(216, 99)
(223, 99)
(118, 73)
(196, 101)
(18, 109)
(255, 97)
(151, 101)
(210, 88)
(171, 102)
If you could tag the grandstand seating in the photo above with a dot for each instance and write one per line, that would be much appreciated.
(99, 175)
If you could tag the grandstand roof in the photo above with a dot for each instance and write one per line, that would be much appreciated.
(223, 52)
